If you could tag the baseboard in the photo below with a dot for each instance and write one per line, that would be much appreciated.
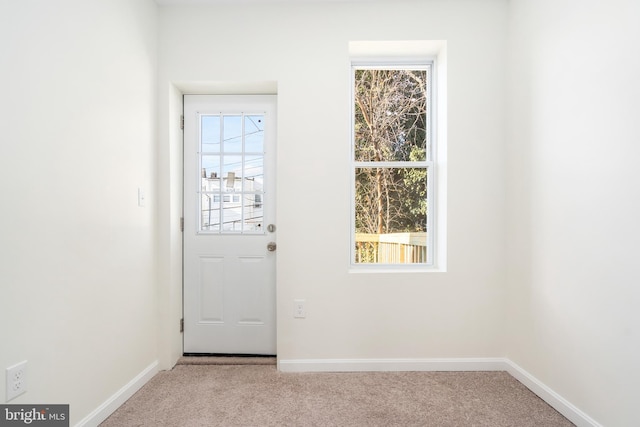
(114, 402)
(556, 401)
(373, 365)
(559, 403)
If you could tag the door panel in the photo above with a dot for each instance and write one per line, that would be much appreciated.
(211, 289)
(229, 199)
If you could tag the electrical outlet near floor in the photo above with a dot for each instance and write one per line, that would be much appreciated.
(16, 380)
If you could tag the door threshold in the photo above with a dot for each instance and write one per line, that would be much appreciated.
(225, 359)
(226, 355)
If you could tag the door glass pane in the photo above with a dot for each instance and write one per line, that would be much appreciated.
(231, 216)
(254, 173)
(210, 138)
(232, 173)
(254, 134)
(210, 213)
(210, 173)
(252, 213)
(232, 134)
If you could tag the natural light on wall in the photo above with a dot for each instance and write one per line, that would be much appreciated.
(394, 167)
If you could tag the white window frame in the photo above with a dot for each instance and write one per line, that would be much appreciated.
(430, 65)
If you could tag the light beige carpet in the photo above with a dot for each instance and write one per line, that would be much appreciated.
(259, 395)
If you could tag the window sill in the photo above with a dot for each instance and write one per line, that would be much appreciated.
(386, 269)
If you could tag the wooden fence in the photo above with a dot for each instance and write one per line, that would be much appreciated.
(392, 248)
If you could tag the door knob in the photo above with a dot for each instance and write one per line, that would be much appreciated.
(271, 246)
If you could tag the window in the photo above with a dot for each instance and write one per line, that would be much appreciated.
(231, 155)
(392, 165)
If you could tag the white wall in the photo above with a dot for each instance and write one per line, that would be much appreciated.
(459, 313)
(77, 255)
(574, 201)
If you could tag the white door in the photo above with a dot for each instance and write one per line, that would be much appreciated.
(229, 224)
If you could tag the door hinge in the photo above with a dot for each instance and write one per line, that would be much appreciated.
(181, 325)
(182, 224)
(182, 122)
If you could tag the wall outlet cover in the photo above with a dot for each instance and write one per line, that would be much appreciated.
(16, 380)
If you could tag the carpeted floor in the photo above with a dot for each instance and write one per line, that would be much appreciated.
(259, 395)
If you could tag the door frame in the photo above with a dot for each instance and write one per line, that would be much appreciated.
(169, 202)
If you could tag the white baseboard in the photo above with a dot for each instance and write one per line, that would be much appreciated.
(559, 403)
(114, 402)
(373, 365)
(556, 401)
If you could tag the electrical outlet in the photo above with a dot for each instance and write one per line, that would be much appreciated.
(298, 309)
(16, 380)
